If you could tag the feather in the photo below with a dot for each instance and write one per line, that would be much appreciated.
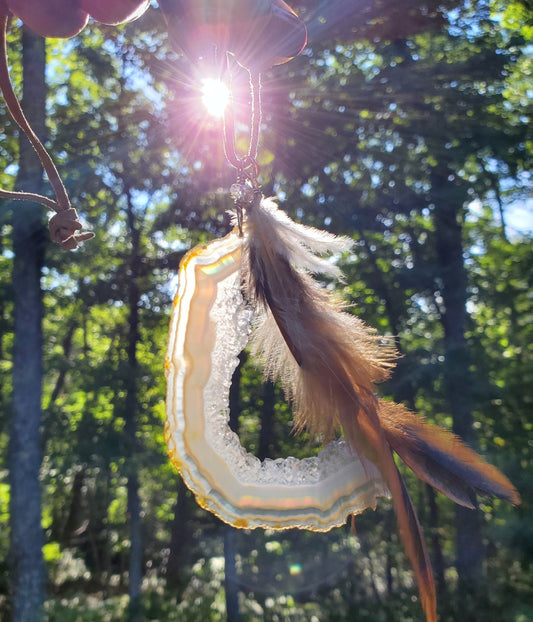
(328, 362)
(441, 459)
(330, 353)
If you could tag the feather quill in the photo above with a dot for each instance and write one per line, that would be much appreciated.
(328, 362)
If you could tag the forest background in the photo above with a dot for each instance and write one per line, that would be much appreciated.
(405, 126)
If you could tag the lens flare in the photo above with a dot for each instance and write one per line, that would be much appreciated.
(215, 96)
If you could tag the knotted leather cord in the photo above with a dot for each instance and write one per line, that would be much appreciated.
(246, 190)
(65, 223)
(247, 168)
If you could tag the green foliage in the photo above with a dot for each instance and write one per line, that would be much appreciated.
(88, 609)
(357, 133)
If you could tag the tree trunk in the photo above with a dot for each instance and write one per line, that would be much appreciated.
(179, 539)
(266, 434)
(75, 522)
(134, 501)
(27, 570)
(457, 375)
(231, 586)
(136, 552)
(436, 548)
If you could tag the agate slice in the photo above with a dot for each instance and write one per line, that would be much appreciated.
(209, 327)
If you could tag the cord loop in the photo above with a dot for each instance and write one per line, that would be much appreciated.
(247, 167)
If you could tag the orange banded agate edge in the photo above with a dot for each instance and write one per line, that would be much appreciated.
(209, 327)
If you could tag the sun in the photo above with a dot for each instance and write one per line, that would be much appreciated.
(215, 96)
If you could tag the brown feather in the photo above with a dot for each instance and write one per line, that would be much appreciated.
(333, 353)
(441, 459)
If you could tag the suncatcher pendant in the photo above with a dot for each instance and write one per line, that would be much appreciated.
(209, 327)
(257, 286)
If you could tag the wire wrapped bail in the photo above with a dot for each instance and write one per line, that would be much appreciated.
(247, 167)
